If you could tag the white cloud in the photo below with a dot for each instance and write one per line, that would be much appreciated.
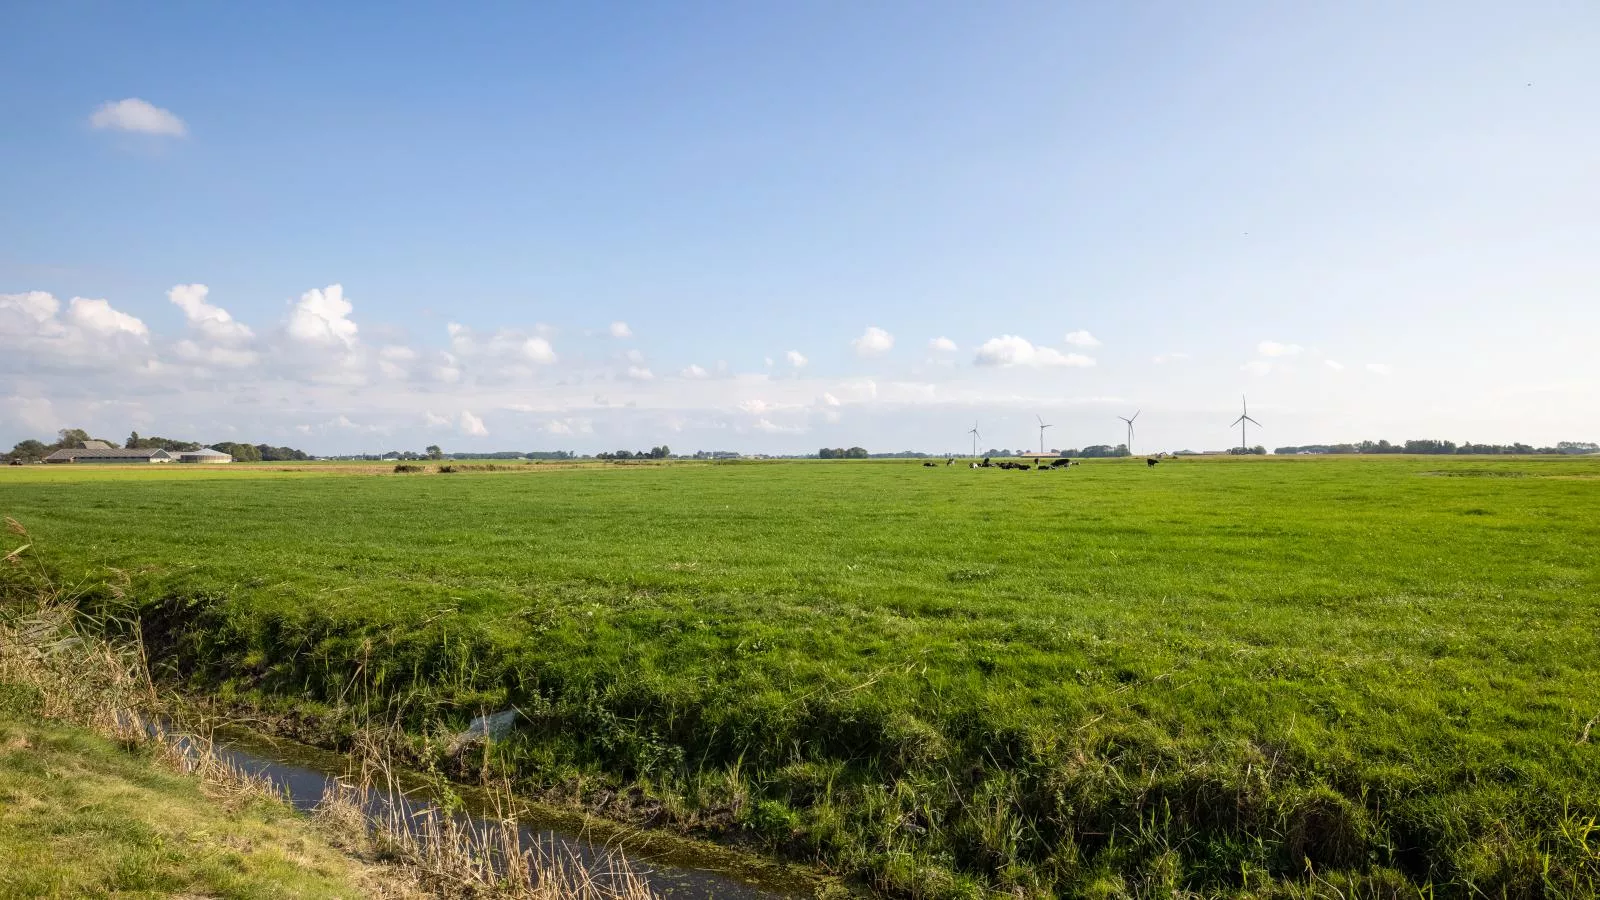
(211, 322)
(322, 318)
(829, 400)
(397, 353)
(873, 342)
(431, 419)
(795, 359)
(621, 330)
(471, 425)
(30, 313)
(766, 426)
(1010, 350)
(511, 349)
(214, 355)
(1081, 339)
(1169, 357)
(942, 345)
(134, 114)
(1336, 366)
(1380, 368)
(1257, 367)
(36, 333)
(640, 373)
(98, 317)
(36, 413)
(754, 407)
(1273, 348)
(568, 425)
(694, 371)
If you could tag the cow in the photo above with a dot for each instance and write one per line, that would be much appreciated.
(930, 465)
(1060, 463)
(1151, 463)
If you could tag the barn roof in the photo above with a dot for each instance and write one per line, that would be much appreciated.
(108, 453)
(204, 451)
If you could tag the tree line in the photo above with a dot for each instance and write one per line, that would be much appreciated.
(661, 452)
(1444, 448)
(30, 450)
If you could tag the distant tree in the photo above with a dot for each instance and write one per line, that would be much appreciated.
(71, 437)
(280, 454)
(434, 452)
(856, 453)
(240, 452)
(28, 451)
(661, 452)
(133, 443)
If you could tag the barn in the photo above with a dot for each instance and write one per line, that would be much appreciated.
(108, 455)
(205, 455)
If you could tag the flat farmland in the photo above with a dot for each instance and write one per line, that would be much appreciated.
(1268, 675)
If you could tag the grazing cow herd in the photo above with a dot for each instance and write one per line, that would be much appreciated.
(1039, 464)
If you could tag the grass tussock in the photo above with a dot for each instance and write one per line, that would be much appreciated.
(60, 666)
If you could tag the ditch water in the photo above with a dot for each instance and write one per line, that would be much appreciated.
(673, 867)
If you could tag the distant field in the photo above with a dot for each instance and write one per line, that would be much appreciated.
(1221, 674)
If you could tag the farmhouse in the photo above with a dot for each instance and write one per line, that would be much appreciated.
(204, 455)
(105, 454)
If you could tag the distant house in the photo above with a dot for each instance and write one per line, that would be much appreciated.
(106, 454)
(203, 455)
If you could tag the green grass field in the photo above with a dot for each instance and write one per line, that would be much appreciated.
(1260, 675)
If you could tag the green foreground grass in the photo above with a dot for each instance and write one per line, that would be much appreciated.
(83, 817)
(1260, 676)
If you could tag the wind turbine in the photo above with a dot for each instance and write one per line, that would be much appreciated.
(1130, 429)
(1244, 422)
(1042, 427)
(974, 432)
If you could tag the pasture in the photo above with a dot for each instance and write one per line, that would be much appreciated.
(1220, 675)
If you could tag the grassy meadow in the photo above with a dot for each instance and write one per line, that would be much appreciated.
(1267, 676)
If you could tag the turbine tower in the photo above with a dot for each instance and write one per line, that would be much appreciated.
(1244, 422)
(974, 432)
(1042, 427)
(1130, 429)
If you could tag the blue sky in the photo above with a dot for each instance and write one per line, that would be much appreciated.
(1375, 222)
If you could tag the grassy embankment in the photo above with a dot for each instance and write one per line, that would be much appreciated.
(81, 816)
(1363, 675)
(101, 795)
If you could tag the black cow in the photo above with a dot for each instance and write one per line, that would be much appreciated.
(930, 465)
(1151, 463)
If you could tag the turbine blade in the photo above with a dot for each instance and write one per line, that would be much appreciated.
(1135, 416)
(1240, 419)
(1253, 422)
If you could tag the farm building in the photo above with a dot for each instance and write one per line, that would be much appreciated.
(203, 455)
(105, 454)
